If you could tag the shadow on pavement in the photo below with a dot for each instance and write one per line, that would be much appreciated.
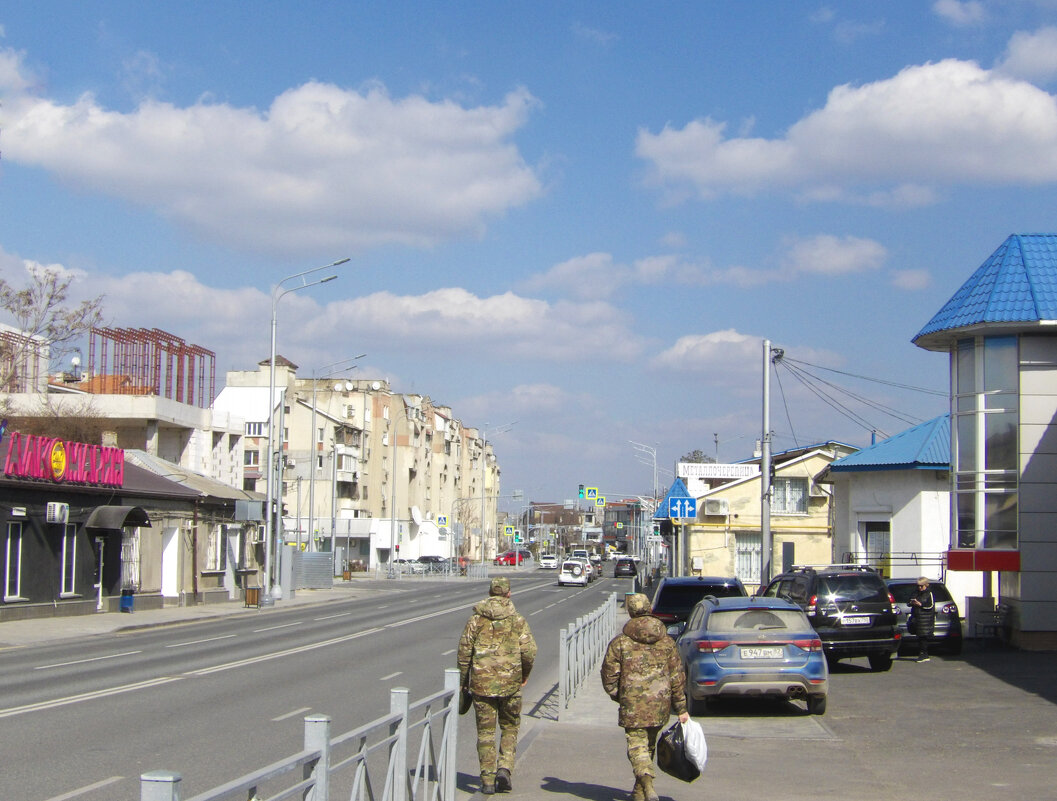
(547, 706)
(1031, 671)
(591, 792)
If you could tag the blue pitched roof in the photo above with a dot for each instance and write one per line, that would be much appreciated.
(677, 490)
(926, 446)
(1017, 284)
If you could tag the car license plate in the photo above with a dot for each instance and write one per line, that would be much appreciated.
(761, 653)
(857, 620)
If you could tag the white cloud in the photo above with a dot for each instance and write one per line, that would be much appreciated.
(1031, 56)
(830, 255)
(961, 13)
(323, 170)
(594, 35)
(911, 280)
(944, 123)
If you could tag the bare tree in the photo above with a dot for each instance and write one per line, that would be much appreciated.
(44, 319)
(77, 421)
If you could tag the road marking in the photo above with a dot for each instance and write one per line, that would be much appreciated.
(382, 607)
(563, 600)
(82, 661)
(197, 642)
(273, 628)
(253, 660)
(392, 676)
(291, 714)
(548, 606)
(74, 699)
(449, 653)
(328, 617)
(535, 613)
(86, 789)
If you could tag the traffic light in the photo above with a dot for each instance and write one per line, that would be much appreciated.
(581, 493)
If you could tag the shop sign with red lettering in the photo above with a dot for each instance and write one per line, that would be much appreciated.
(48, 458)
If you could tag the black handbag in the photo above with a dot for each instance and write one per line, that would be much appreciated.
(912, 624)
(671, 754)
(465, 700)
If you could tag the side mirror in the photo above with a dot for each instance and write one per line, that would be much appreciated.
(675, 630)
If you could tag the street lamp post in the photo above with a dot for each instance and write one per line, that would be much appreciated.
(269, 529)
(484, 480)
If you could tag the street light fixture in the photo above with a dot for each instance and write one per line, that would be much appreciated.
(484, 468)
(269, 529)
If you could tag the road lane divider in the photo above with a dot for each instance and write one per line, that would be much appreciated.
(86, 789)
(199, 642)
(280, 626)
(76, 699)
(253, 660)
(300, 711)
(89, 659)
(392, 676)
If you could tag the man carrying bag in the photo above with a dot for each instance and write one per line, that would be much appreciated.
(643, 672)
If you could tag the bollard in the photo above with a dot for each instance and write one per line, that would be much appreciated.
(159, 785)
(317, 738)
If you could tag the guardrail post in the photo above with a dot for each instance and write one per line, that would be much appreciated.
(398, 703)
(563, 670)
(159, 785)
(450, 773)
(317, 738)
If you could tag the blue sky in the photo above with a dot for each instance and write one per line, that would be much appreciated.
(582, 217)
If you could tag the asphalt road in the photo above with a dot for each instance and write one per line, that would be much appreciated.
(82, 719)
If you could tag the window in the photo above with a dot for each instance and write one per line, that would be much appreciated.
(319, 461)
(984, 442)
(346, 461)
(251, 458)
(216, 553)
(748, 547)
(789, 496)
(254, 429)
(69, 559)
(130, 559)
(13, 563)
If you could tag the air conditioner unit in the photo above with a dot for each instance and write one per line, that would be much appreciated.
(57, 512)
(717, 506)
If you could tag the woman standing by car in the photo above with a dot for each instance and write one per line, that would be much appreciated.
(923, 613)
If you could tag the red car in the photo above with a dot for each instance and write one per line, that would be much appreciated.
(513, 558)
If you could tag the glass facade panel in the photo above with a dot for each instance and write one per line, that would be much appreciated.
(966, 511)
(1000, 364)
(1001, 515)
(1000, 438)
(966, 365)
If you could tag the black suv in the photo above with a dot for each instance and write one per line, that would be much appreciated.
(849, 606)
(675, 597)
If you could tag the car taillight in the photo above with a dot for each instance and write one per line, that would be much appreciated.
(809, 645)
(892, 603)
(711, 646)
(811, 605)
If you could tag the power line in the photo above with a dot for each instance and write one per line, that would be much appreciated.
(942, 394)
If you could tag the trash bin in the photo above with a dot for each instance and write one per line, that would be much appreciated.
(127, 599)
(253, 596)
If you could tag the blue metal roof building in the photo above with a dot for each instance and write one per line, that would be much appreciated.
(926, 446)
(1015, 288)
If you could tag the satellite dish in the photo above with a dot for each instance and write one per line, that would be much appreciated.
(376, 386)
(338, 387)
(348, 386)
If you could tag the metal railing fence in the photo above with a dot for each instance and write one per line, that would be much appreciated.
(344, 766)
(581, 648)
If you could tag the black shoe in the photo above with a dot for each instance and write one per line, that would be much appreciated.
(487, 789)
(502, 781)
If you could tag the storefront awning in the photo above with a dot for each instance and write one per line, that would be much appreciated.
(117, 517)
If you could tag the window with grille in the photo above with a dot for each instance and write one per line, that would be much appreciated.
(216, 554)
(130, 559)
(789, 496)
(69, 559)
(13, 563)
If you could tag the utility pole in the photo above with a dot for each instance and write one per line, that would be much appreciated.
(765, 471)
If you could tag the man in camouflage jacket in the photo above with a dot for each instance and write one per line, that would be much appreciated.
(496, 652)
(643, 672)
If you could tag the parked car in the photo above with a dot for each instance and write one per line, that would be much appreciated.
(548, 561)
(624, 568)
(572, 572)
(675, 597)
(434, 564)
(409, 565)
(740, 646)
(849, 606)
(947, 635)
(516, 557)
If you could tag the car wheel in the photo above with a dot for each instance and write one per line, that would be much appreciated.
(880, 662)
(816, 704)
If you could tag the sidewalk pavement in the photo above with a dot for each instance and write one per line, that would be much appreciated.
(14, 633)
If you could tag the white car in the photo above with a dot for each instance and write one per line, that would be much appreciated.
(548, 561)
(572, 572)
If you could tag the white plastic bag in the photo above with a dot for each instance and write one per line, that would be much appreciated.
(696, 747)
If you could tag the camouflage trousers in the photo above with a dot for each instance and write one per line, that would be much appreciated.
(504, 712)
(642, 743)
